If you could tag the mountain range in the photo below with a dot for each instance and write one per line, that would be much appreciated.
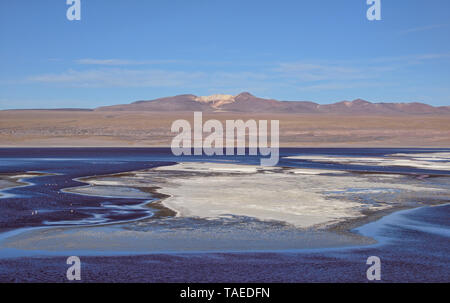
(355, 123)
(248, 103)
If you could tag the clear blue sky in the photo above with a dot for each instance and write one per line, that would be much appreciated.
(318, 50)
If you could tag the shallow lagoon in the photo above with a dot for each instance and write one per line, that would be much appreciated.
(294, 255)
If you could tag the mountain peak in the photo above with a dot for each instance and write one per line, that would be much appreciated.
(245, 94)
(360, 101)
(217, 100)
(248, 103)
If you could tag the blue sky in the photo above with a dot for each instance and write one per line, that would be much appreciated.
(322, 50)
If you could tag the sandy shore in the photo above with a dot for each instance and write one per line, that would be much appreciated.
(33, 128)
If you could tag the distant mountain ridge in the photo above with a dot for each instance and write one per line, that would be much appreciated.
(248, 103)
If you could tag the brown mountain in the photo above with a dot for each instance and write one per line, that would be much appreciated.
(177, 103)
(247, 103)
